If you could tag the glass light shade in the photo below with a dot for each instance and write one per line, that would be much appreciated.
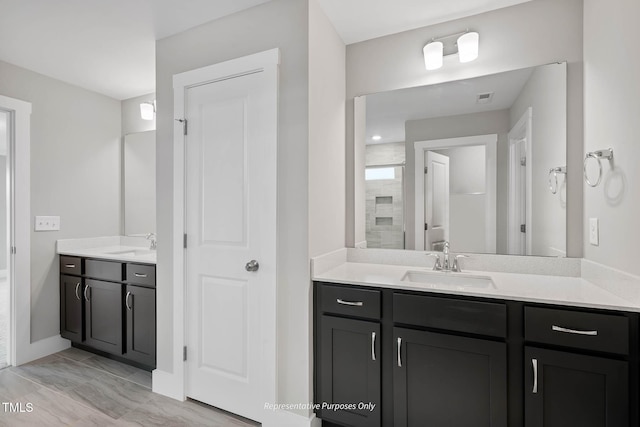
(433, 55)
(146, 111)
(468, 46)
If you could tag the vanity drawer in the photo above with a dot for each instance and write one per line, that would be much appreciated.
(141, 274)
(105, 270)
(70, 265)
(590, 331)
(475, 317)
(350, 301)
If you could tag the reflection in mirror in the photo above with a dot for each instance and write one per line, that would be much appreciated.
(472, 162)
(139, 188)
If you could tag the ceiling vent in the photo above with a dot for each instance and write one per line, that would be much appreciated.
(484, 98)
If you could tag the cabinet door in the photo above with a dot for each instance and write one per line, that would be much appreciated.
(447, 380)
(140, 306)
(349, 371)
(71, 308)
(565, 389)
(103, 320)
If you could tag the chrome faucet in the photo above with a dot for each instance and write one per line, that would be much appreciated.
(445, 257)
(153, 243)
(446, 264)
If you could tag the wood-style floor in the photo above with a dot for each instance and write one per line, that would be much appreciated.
(77, 388)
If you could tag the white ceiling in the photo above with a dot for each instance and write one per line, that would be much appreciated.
(108, 46)
(358, 20)
(387, 112)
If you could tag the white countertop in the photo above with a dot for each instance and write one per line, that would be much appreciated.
(116, 248)
(546, 289)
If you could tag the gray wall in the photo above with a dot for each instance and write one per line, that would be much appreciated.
(327, 80)
(453, 127)
(612, 109)
(75, 173)
(282, 24)
(520, 36)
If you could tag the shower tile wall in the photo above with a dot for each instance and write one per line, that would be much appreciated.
(384, 204)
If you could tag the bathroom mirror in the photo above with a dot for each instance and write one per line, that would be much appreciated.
(139, 183)
(480, 163)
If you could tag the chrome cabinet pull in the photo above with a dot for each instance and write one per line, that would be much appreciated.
(373, 346)
(70, 266)
(126, 301)
(353, 303)
(399, 352)
(534, 362)
(140, 275)
(77, 294)
(86, 288)
(573, 331)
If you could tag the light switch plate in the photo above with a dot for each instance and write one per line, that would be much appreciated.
(47, 223)
(594, 231)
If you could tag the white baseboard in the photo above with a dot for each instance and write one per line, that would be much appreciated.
(167, 384)
(42, 348)
(280, 418)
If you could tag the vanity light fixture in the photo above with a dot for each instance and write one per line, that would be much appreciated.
(376, 137)
(433, 55)
(148, 110)
(466, 47)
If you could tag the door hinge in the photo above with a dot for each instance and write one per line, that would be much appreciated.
(426, 170)
(184, 353)
(184, 125)
(426, 226)
(523, 161)
(13, 250)
(184, 241)
(523, 228)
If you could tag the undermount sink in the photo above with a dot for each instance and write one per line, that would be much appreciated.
(448, 279)
(132, 252)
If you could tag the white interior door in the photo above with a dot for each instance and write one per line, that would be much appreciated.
(230, 220)
(436, 199)
(518, 197)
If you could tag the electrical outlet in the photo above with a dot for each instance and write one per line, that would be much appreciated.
(594, 231)
(47, 223)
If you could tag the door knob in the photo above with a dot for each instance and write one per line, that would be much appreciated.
(252, 265)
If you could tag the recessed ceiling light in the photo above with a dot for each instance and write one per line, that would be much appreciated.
(376, 137)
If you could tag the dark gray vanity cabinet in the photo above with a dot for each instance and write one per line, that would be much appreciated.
(448, 380)
(140, 304)
(569, 389)
(71, 308)
(110, 307)
(585, 379)
(410, 356)
(349, 352)
(452, 360)
(450, 364)
(103, 319)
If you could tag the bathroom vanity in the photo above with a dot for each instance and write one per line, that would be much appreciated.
(108, 303)
(437, 354)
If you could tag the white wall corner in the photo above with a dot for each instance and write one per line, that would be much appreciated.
(41, 348)
(167, 384)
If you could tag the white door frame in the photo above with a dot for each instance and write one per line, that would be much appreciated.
(20, 349)
(522, 129)
(266, 62)
(490, 142)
